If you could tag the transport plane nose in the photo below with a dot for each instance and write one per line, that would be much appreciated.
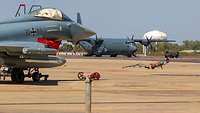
(80, 32)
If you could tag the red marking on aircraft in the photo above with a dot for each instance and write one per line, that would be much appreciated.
(51, 43)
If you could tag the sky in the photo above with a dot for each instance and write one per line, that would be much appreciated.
(180, 19)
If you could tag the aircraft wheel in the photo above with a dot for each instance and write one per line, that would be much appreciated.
(13, 76)
(99, 55)
(134, 54)
(129, 55)
(114, 55)
(17, 75)
(36, 76)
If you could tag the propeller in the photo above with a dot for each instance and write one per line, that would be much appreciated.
(149, 43)
(130, 40)
(96, 39)
(132, 37)
(96, 48)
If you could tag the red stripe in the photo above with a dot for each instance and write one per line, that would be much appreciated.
(51, 43)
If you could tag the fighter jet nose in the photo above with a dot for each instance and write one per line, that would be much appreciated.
(89, 32)
(80, 32)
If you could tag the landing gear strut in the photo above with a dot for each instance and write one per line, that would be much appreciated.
(18, 74)
(36, 75)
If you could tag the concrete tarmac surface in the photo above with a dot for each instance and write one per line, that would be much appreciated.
(175, 89)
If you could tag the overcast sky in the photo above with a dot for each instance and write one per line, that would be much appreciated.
(180, 19)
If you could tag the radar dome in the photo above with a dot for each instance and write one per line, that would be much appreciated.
(158, 35)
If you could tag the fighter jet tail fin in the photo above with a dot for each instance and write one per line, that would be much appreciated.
(79, 18)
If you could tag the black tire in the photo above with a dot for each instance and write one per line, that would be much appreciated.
(129, 55)
(45, 78)
(13, 76)
(99, 55)
(17, 75)
(36, 76)
(20, 77)
(134, 54)
(177, 55)
(114, 55)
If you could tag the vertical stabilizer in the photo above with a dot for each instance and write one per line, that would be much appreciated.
(79, 18)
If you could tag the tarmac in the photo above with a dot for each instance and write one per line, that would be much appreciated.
(175, 89)
(189, 59)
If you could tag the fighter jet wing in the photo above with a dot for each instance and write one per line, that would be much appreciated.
(25, 48)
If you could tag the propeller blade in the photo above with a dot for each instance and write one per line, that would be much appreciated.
(150, 38)
(96, 37)
(132, 37)
(127, 37)
(146, 37)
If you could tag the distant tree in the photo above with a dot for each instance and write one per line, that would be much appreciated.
(191, 44)
(66, 48)
(78, 48)
(139, 48)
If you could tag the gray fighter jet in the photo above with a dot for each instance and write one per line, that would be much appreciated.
(30, 41)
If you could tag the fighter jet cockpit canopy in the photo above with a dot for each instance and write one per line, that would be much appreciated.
(50, 13)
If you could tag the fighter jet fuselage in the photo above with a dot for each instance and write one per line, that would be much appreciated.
(32, 40)
(38, 35)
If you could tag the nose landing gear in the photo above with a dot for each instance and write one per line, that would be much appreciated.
(36, 75)
(18, 74)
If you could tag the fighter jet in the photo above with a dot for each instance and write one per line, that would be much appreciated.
(31, 41)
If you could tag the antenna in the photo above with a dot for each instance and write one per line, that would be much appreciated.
(19, 9)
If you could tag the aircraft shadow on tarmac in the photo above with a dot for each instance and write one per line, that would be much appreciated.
(41, 83)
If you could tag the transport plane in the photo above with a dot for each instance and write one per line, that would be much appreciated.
(114, 46)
